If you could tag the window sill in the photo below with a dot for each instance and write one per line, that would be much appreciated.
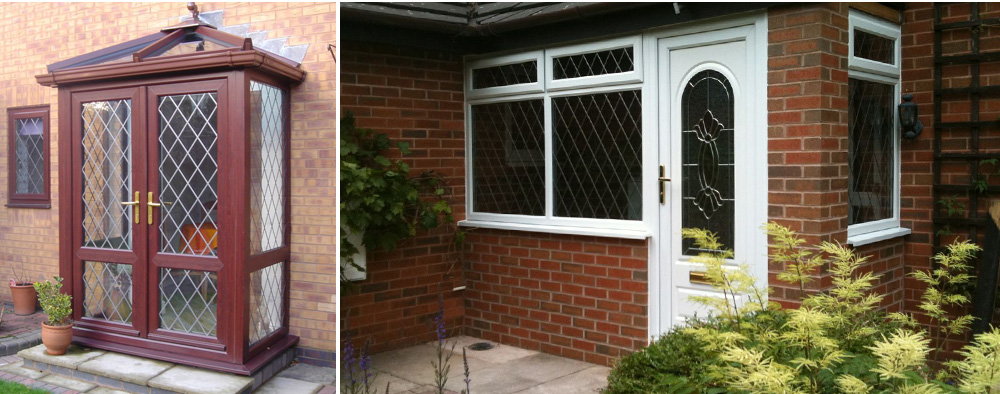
(876, 236)
(589, 231)
(33, 205)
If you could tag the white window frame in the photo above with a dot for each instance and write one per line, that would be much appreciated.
(873, 71)
(633, 76)
(496, 91)
(608, 83)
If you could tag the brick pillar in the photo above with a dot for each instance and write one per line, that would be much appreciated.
(807, 127)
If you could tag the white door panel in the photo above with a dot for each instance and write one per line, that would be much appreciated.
(704, 127)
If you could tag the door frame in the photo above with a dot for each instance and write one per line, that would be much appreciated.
(753, 26)
(230, 349)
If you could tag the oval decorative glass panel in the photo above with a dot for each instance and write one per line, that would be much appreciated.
(708, 165)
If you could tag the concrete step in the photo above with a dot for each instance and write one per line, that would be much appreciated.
(98, 372)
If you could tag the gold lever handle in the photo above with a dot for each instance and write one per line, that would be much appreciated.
(150, 204)
(135, 207)
(663, 185)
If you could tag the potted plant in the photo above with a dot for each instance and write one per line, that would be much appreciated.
(22, 292)
(57, 331)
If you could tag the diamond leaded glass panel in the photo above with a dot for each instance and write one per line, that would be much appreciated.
(267, 167)
(107, 173)
(707, 158)
(612, 61)
(598, 155)
(505, 75)
(29, 146)
(107, 291)
(188, 301)
(871, 151)
(874, 47)
(188, 171)
(266, 301)
(508, 157)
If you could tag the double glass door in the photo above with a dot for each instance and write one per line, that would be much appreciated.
(147, 168)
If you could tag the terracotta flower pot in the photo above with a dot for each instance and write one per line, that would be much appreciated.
(56, 338)
(25, 298)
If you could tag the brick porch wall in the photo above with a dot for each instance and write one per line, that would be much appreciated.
(807, 141)
(413, 96)
(918, 155)
(37, 34)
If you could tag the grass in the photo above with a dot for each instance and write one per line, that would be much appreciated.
(17, 388)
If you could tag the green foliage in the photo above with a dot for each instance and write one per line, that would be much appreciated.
(838, 341)
(379, 198)
(952, 206)
(56, 304)
(950, 272)
(17, 388)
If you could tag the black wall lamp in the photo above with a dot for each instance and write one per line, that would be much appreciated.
(908, 118)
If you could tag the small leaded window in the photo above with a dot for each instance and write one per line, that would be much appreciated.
(28, 166)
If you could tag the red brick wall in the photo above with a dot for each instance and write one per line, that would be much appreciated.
(574, 296)
(37, 34)
(413, 96)
(918, 156)
(808, 142)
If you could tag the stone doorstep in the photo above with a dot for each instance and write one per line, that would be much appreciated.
(101, 370)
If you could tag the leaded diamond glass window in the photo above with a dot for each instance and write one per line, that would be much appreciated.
(505, 75)
(107, 291)
(266, 302)
(597, 152)
(508, 166)
(871, 151)
(708, 158)
(188, 171)
(188, 301)
(874, 47)
(267, 170)
(612, 61)
(29, 148)
(107, 174)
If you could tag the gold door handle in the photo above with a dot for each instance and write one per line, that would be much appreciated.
(150, 205)
(663, 184)
(135, 207)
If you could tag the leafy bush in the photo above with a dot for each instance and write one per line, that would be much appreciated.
(56, 304)
(836, 342)
(379, 198)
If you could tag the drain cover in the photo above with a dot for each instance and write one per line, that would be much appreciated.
(481, 346)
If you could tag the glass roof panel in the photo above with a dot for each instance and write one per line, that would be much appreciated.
(190, 43)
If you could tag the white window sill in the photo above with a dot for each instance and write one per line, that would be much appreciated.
(538, 228)
(876, 236)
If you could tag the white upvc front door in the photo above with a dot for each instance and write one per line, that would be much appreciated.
(711, 160)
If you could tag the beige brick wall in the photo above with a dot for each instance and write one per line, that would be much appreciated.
(37, 34)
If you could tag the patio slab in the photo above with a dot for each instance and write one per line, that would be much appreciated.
(74, 356)
(71, 384)
(187, 380)
(280, 385)
(126, 368)
(309, 373)
(501, 370)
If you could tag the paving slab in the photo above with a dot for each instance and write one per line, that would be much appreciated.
(280, 385)
(71, 384)
(126, 368)
(590, 380)
(519, 375)
(414, 363)
(396, 384)
(499, 354)
(74, 356)
(187, 380)
(19, 370)
(105, 390)
(309, 373)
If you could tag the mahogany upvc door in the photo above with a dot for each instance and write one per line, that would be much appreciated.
(154, 222)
